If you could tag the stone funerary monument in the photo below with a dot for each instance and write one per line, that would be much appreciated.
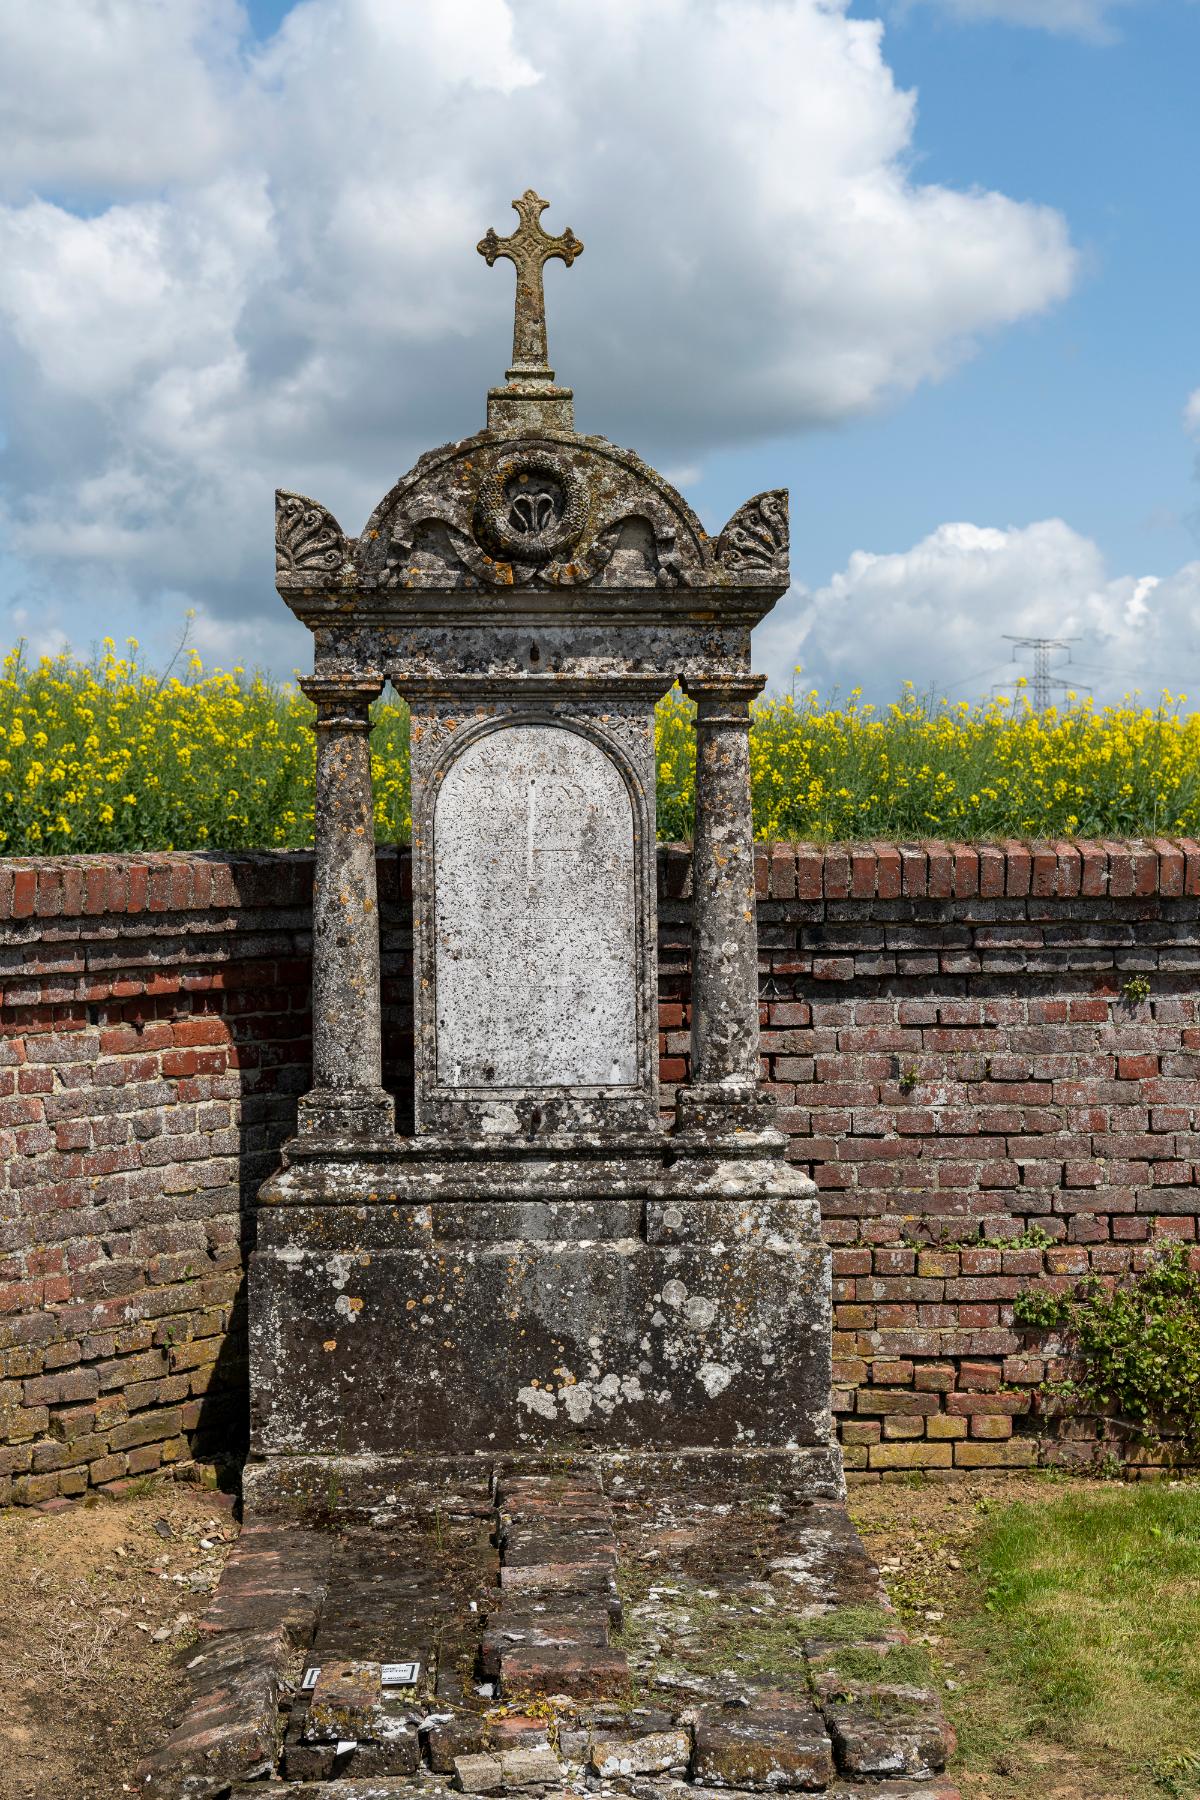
(543, 1497)
(542, 1268)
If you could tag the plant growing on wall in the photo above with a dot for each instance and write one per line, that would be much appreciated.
(1137, 1347)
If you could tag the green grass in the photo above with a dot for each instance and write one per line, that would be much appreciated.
(1089, 1630)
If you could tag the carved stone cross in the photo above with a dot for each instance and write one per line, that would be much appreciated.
(529, 248)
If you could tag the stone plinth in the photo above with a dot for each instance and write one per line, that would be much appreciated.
(587, 1305)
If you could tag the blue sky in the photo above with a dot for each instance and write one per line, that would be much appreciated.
(941, 282)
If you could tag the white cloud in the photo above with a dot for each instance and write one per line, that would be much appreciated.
(937, 614)
(103, 97)
(1191, 412)
(1069, 18)
(285, 289)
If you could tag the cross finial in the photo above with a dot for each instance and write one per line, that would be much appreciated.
(530, 248)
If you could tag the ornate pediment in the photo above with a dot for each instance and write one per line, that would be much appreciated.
(543, 511)
(538, 512)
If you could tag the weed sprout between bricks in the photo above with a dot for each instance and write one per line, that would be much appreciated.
(106, 755)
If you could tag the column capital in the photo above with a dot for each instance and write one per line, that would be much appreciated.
(712, 692)
(342, 701)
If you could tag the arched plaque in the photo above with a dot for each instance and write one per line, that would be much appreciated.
(535, 915)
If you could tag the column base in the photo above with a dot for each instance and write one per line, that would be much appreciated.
(528, 406)
(362, 1114)
(703, 1107)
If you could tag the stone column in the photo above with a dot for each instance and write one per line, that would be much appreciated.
(723, 1091)
(347, 1097)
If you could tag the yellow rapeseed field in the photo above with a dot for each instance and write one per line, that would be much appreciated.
(109, 756)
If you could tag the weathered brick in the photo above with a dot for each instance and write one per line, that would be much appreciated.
(924, 1455)
(1015, 1453)
(942, 1426)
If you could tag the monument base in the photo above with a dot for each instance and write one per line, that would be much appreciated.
(399, 1318)
(371, 1488)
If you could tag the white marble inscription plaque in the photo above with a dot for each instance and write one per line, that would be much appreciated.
(536, 974)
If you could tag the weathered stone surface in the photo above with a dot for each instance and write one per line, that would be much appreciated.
(555, 1631)
(723, 1090)
(536, 899)
(582, 1673)
(400, 1754)
(529, 248)
(770, 1744)
(532, 1767)
(227, 1734)
(533, 844)
(446, 1739)
(875, 1790)
(382, 1787)
(347, 1096)
(480, 1774)
(657, 1753)
(344, 1702)
(266, 1605)
(613, 1343)
(275, 1577)
(888, 1731)
(897, 1790)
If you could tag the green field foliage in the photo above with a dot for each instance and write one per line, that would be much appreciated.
(105, 754)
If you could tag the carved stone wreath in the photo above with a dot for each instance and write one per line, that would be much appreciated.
(531, 507)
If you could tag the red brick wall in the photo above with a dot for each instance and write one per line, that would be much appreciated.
(948, 1033)
(945, 1029)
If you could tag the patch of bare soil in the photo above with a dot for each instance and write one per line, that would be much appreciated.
(97, 1603)
(923, 1537)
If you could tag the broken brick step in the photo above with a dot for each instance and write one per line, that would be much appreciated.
(393, 1788)
(577, 1576)
(782, 1744)
(882, 1729)
(352, 1788)
(541, 1630)
(584, 1673)
(262, 1613)
(588, 1515)
(569, 1551)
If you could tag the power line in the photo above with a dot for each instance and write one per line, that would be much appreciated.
(950, 687)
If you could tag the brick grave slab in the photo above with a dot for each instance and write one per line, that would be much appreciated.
(545, 1632)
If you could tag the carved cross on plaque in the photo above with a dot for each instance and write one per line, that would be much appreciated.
(530, 248)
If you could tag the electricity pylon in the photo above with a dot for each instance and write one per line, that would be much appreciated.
(1042, 680)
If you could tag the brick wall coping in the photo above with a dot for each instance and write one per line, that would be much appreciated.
(198, 880)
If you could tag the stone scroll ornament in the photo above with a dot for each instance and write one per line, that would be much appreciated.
(308, 539)
(757, 535)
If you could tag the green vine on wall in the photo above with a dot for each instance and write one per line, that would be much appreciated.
(1138, 1347)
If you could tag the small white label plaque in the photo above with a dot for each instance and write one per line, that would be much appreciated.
(309, 1678)
(405, 1674)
